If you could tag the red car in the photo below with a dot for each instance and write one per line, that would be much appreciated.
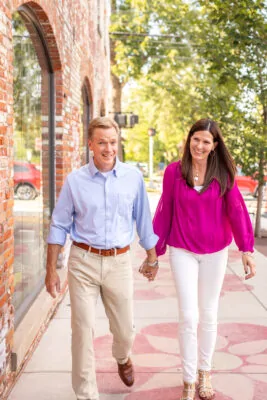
(27, 180)
(246, 184)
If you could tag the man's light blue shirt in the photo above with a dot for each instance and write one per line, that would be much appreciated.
(103, 211)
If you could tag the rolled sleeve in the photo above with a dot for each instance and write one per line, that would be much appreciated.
(164, 213)
(239, 219)
(142, 215)
(56, 235)
(149, 242)
(62, 217)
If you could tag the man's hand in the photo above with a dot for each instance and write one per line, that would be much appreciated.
(52, 283)
(248, 263)
(148, 272)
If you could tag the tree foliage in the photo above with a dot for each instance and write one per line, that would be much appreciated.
(140, 39)
(236, 52)
(27, 92)
(199, 59)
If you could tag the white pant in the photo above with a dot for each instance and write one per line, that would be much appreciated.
(198, 279)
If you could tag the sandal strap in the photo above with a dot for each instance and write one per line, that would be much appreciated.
(189, 391)
(204, 386)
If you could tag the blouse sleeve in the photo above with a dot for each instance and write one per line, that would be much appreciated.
(163, 216)
(239, 219)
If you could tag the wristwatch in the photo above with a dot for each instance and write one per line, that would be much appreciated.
(248, 253)
(154, 264)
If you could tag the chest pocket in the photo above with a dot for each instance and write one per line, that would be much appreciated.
(125, 204)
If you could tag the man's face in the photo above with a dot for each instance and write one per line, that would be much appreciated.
(104, 144)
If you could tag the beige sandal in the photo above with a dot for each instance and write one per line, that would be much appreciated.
(205, 390)
(189, 391)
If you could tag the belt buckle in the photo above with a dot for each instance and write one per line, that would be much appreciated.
(111, 252)
(108, 252)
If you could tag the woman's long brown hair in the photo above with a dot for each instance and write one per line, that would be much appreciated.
(220, 166)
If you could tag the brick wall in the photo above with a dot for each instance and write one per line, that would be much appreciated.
(6, 194)
(78, 54)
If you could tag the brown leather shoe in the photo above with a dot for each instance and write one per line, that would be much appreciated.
(126, 372)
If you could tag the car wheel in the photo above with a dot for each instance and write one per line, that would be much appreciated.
(26, 192)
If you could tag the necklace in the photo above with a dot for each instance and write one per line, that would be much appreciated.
(196, 176)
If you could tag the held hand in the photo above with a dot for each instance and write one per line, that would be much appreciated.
(148, 272)
(52, 283)
(249, 264)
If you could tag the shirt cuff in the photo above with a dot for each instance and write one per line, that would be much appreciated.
(245, 249)
(149, 242)
(56, 236)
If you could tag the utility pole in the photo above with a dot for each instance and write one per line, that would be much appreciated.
(151, 134)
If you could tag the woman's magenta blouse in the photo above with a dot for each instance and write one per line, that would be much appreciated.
(200, 222)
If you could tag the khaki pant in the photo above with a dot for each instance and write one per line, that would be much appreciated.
(112, 277)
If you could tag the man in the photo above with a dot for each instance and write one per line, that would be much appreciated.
(99, 206)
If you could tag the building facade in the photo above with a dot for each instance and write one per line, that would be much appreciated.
(54, 75)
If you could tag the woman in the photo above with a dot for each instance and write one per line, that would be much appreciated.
(200, 211)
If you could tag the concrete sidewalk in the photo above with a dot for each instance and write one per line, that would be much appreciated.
(240, 362)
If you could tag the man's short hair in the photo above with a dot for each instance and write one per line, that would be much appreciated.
(102, 122)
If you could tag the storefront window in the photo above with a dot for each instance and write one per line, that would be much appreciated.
(29, 264)
(85, 119)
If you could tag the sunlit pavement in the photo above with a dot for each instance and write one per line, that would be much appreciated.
(240, 362)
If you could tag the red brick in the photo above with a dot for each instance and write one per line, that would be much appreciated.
(3, 300)
(9, 336)
(2, 290)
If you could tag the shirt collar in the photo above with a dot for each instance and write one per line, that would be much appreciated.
(93, 170)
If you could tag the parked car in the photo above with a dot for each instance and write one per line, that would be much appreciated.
(27, 180)
(246, 184)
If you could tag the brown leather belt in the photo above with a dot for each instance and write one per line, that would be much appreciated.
(102, 252)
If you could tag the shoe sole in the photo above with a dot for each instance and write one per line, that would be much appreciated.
(207, 398)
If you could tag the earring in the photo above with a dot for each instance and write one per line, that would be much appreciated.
(212, 153)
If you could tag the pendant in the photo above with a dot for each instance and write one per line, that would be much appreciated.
(196, 178)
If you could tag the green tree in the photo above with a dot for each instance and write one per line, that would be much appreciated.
(235, 33)
(207, 59)
(139, 44)
(27, 91)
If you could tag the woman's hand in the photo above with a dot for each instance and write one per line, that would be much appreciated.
(148, 271)
(249, 264)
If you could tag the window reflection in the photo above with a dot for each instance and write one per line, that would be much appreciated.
(28, 193)
(85, 118)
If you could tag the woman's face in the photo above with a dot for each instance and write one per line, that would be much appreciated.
(201, 144)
